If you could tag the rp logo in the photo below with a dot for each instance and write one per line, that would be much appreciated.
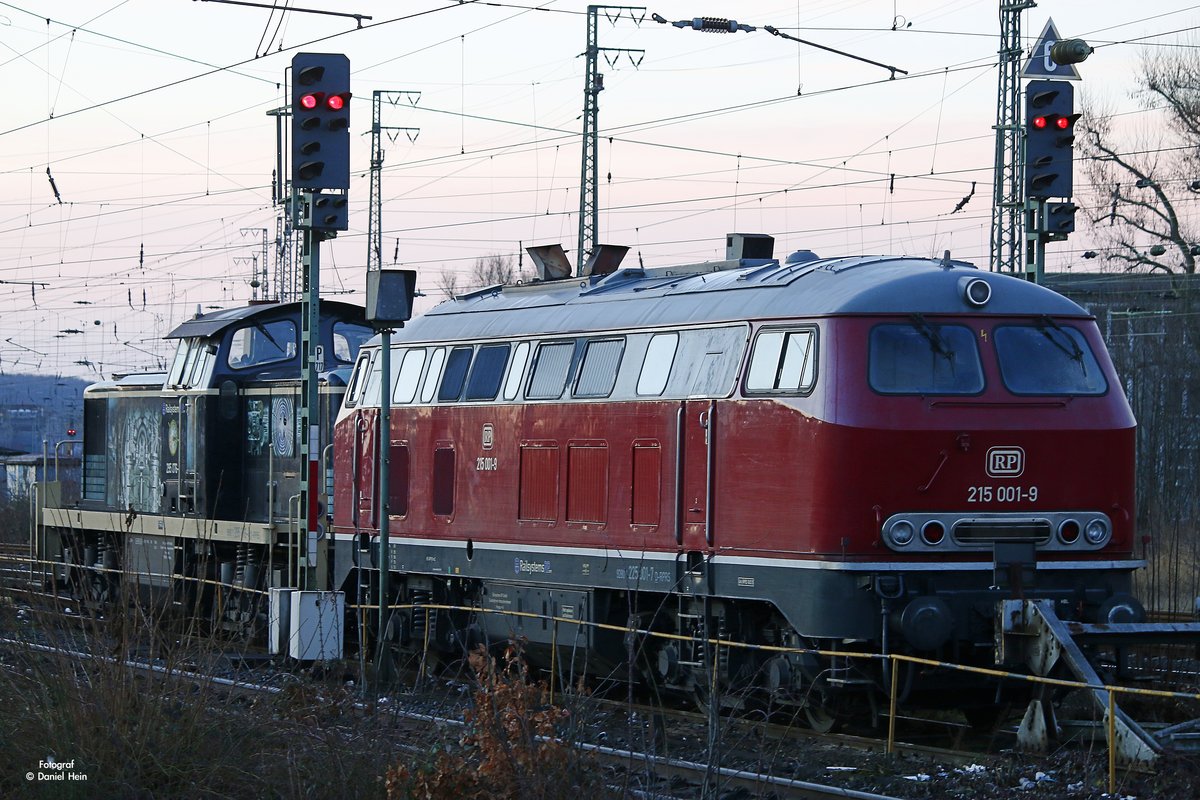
(1005, 462)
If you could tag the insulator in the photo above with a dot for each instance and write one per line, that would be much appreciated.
(1070, 51)
(714, 24)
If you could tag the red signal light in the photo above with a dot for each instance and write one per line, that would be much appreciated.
(1063, 123)
(308, 102)
(335, 102)
(1039, 122)
(70, 431)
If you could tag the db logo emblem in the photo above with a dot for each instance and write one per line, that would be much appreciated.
(1005, 462)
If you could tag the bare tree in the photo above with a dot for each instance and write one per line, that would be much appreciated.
(490, 270)
(1143, 179)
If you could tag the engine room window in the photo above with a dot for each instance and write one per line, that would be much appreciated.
(410, 374)
(455, 374)
(262, 343)
(783, 361)
(348, 338)
(660, 353)
(433, 374)
(512, 386)
(918, 357)
(1047, 358)
(599, 370)
(487, 372)
(706, 362)
(550, 367)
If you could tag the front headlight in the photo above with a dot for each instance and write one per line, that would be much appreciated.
(902, 532)
(1096, 531)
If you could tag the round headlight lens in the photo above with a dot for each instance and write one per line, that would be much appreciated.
(1068, 531)
(977, 292)
(902, 532)
(1096, 531)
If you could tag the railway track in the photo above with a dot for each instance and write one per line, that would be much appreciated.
(664, 777)
(679, 769)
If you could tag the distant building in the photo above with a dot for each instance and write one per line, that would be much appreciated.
(19, 471)
(22, 427)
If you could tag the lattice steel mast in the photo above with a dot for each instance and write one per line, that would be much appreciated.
(375, 210)
(589, 182)
(1007, 245)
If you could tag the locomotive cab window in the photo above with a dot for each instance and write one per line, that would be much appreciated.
(1047, 359)
(202, 367)
(919, 357)
(358, 380)
(598, 373)
(175, 376)
(370, 392)
(262, 343)
(783, 361)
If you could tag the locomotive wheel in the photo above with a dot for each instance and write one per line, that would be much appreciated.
(701, 696)
(819, 719)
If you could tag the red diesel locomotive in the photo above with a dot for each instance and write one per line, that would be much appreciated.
(857, 455)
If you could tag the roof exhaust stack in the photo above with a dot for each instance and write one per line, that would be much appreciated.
(551, 261)
(749, 245)
(605, 259)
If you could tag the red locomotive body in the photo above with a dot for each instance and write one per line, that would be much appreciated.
(852, 454)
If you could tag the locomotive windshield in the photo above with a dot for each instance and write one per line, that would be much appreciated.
(262, 343)
(921, 358)
(1047, 358)
(348, 337)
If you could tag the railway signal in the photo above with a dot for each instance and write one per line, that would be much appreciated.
(1060, 221)
(320, 121)
(1049, 138)
(325, 211)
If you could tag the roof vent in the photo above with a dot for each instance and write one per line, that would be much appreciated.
(605, 259)
(551, 261)
(802, 257)
(749, 245)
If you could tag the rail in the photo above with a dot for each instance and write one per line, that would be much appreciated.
(892, 660)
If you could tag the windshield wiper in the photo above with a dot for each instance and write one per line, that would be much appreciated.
(1075, 353)
(933, 336)
(258, 326)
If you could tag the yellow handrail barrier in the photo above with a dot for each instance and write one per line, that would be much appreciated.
(893, 659)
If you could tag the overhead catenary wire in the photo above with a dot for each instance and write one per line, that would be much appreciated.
(742, 167)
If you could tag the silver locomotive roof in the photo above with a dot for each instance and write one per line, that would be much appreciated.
(730, 291)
